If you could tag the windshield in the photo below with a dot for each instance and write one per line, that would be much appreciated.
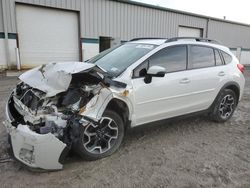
(116, 60)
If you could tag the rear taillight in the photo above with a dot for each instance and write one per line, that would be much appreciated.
(241, 67)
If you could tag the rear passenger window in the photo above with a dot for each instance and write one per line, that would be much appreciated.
(227, 58)
(217, 58)
(172, 58)
(200, 57)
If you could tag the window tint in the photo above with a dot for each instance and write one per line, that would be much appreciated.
(218, 58)
(227, 57)
(201, 57)
(171, 58)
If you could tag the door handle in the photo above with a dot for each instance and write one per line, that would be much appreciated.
(221, 73)
(184, 81)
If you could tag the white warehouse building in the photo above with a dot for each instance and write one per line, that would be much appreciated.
(34, 32)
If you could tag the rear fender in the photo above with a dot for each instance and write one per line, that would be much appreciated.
(232, 83)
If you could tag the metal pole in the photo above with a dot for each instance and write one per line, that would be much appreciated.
(18, 64)
(6, 33)
(207, 27)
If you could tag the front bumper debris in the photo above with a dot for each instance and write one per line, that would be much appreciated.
(35, 150)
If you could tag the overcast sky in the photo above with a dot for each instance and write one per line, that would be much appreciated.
(233, 10)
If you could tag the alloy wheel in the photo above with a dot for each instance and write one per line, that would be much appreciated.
(226, 107)
(99, 138)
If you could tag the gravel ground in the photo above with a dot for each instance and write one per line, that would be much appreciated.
(192, 152)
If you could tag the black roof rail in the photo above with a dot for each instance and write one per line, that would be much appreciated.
(195, 38)
(145, 38)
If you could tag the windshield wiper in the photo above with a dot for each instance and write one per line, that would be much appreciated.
(101, 68)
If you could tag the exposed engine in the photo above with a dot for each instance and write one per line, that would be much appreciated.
(59, 114)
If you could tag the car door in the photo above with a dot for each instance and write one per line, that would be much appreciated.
(204, 76)
(165, 96)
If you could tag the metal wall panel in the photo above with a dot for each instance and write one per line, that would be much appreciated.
(233, 35)
(8, 6)
(11, 13)
(116, 19)
(124, 20)
(1, 17)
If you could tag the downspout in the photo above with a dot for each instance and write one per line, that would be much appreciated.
(207, 26)
(6, 34)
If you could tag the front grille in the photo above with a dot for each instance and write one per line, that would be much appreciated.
(30, 100)
(29, 96)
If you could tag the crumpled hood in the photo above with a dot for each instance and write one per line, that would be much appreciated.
(53, 78)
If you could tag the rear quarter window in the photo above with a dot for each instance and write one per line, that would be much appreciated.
(227, 58)
(218, 58)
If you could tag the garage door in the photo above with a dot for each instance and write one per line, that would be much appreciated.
(46, 35)
(190, 32)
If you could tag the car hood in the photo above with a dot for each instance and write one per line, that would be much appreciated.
(53, 78)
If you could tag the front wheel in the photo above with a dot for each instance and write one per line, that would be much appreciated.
(101, 140)
(224, 106)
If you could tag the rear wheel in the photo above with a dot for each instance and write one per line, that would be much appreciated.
(102, 139)
(224, 106)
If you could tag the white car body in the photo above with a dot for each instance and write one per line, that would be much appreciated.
(175, 94)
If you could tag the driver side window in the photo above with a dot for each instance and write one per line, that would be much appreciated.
(172, 58)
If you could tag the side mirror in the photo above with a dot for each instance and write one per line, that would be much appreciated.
(154, 71)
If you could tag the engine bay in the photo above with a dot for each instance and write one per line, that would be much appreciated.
(61, 114)
(53, 106)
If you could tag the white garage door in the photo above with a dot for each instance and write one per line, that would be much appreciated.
(46, 35)
(189, 32)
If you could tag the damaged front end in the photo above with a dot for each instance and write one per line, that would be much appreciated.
(44, 112)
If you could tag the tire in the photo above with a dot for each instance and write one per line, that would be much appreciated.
(96, 137)
(224, 106)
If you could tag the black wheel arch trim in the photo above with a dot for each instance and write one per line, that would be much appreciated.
(64, 154)
(228, 84)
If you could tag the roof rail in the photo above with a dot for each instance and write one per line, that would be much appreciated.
(145, 38)
(194, 38)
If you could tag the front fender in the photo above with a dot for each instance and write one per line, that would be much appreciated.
(98, 104)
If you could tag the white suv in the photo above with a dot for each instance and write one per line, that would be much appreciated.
(87, 106)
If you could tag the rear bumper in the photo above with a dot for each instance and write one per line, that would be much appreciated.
(241, 82)
(32, 149)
